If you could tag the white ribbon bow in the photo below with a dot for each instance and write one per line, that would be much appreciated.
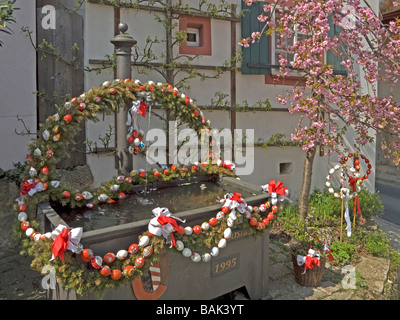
(301, 260)
(165, 230)
(133, 115)
(233, 205)
(74, 238)
(345, 195)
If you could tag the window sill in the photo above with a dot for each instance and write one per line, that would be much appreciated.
(285, 81)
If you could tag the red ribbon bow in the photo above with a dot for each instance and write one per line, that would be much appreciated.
(236, 197)
(227, 166)
(142, 109)
(60, 244)
(27, 186)
(165, 220)
(353, 184)
(310, 262)
(276, 188)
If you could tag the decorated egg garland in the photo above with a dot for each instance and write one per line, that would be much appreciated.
(46, 152)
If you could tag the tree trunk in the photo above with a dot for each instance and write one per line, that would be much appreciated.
(306, 185)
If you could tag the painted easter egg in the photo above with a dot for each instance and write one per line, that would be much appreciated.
(134, 248)
(116, 274)
(87, 195)
(196, 257)
(79, 197)
(263, 208)
(196, 229)
(206, 257)
(87, 255)
(105, 271)
(122, 254)
(68, 119)
(97, 262)
(90, 205)
(128, 271)
(103, 197)
(121, 179)
(205, 226)
(139, 262)
(213, 222)
(214, 251)
(148, 251)
(225, 210)
(230, 222)
(220, 215)
(109, 258)
(25, 225)
(22, 216)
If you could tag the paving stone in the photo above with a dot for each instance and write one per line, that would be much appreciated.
(274, 247)
(341, 295)
(278, 270)
(374, 271)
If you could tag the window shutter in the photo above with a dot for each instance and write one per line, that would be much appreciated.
(256, 58)
(331, 58)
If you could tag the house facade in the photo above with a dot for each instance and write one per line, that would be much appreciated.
(91, 27)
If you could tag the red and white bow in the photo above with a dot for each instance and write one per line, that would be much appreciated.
(228, 165)
(234, 201)
(65, 239)
(164, 224)
(276, 191)
(30, 187)
(312, 259)
(138, 108)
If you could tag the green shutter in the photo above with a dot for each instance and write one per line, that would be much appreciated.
(256, 58)
(331, 58)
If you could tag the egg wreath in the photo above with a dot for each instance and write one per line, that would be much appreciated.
(96, 273)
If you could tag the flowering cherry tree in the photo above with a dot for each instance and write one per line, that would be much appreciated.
(329, 103)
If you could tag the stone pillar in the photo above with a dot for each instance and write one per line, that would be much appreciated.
(123, 48)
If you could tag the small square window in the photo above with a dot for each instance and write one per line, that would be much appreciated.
(193, 37)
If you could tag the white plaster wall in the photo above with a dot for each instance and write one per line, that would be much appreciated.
(17, 84)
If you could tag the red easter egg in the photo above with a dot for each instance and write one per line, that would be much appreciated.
(142, 88)
(45, 186)
(113, 91)
(68, 119)
(148, 251)
(195, 168)
(116, 274)
(131, 139)
(260, 226)
(134, 248)
(213, 222)
(30, 160)
(270, 216)
(109, 258)
(66, 194)
(366, 177)
(197, 229)
(45, 171)
(173, 168)
(143, 174)
(274, 209)
(266, 221)
(225, 210)
(185, 170)
(82, 107)
(135, 134)
(22, 207)
(79, 197)
(157, 174)
(25, 225)
(187, 101)
(196, 113)
(97, 262)
(105, 271)
(253, 222)
(166, 172)
(128, 271)
(368, 171)
(139, 263)
(350, 155)
(356, 161)
(268, 204)
(170, 86)
(121, 196)
(74, 100)
(87, 255)
(181, 230)
(175, 93)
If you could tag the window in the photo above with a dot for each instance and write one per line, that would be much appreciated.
(198, 30)
(193, 37)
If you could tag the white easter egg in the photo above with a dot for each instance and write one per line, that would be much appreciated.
(220, 215)
(179, 245)
(230, 222)
(206, 257)
(187, 252)
(227, 233)
(22, 216)
(144, 241)
(214, 251)
(205, 226)
(29, 232)
(222, 243)
(122, 254)
(196, 257)
(188, 231)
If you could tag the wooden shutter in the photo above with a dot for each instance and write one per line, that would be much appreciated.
(331, 58)
(256, 58)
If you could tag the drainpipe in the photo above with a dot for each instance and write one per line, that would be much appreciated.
(123, 48)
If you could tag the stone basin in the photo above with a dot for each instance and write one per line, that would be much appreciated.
(242, 263)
